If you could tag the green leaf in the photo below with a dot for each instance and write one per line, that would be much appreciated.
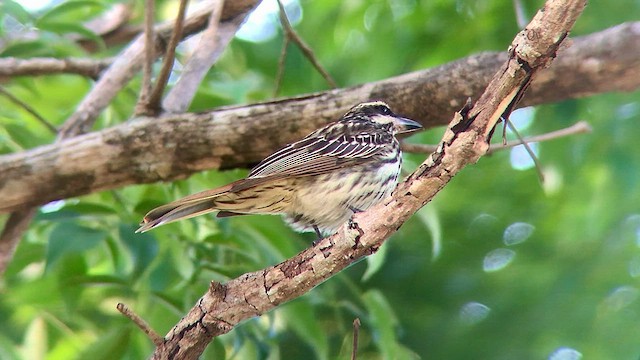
(72, 268)
(63, 28)
(429, 218)
(26, 254)
(375, 262)
(9, 349)
(71, 238)
(68, 11)
(26, 49)
(142, 247)
(383, 323)
(300, 316)
(215, 350)
(111, 345)
(22, 136)
(162, 278)
(16, 10)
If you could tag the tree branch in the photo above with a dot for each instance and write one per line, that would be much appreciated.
(281, 61)
(202, 59)
(153, 105)
(140, 323)
(580, 127)
(149, 57)
(48, 66)
(129, 62)
(306, 50)
(174, 146)
(464, 142)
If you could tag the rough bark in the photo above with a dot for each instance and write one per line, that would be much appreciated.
(174, 146)
(465, 141)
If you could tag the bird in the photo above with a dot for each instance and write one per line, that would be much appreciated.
(316, 183)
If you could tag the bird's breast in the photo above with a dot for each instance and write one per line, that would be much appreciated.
(329, 200)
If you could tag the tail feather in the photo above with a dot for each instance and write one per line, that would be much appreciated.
(170, 213)
(244, 196)
(187, 207)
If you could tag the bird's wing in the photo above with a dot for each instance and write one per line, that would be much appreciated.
(321, 153)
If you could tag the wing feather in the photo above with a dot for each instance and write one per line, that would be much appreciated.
(321, 155)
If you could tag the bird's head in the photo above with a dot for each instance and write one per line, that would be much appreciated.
(380, 113)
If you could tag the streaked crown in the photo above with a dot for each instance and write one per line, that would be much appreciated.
(379, 113)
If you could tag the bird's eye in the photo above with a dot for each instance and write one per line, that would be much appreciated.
(384, 110)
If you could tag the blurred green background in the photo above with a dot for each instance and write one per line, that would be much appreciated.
(498, 266)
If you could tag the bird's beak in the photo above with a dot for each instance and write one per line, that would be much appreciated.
(404, 125)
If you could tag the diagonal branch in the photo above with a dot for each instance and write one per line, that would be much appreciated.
(175, 146)
(204, 56)
(281, 60)
(14, 99)
(153, 104)
(464, 142)
(306, 50)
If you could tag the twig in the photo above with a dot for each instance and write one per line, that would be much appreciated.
(527, 147)
(580, 127)
(306, 50)
(28, 109)
(356, 331)
(281, 61)
(149, 56)
(203, 57)
(153, 105)
(140, 323)
(11, 66)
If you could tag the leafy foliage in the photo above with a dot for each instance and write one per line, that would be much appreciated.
(570, 281)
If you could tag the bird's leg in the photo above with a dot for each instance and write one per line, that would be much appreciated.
(318, 233)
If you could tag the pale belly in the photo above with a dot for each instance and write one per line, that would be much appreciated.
(328, 201)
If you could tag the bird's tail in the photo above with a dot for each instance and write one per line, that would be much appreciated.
(190, 206)
(245, 196)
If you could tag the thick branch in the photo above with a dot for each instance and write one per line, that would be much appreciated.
(252, 294)
(175, 146)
